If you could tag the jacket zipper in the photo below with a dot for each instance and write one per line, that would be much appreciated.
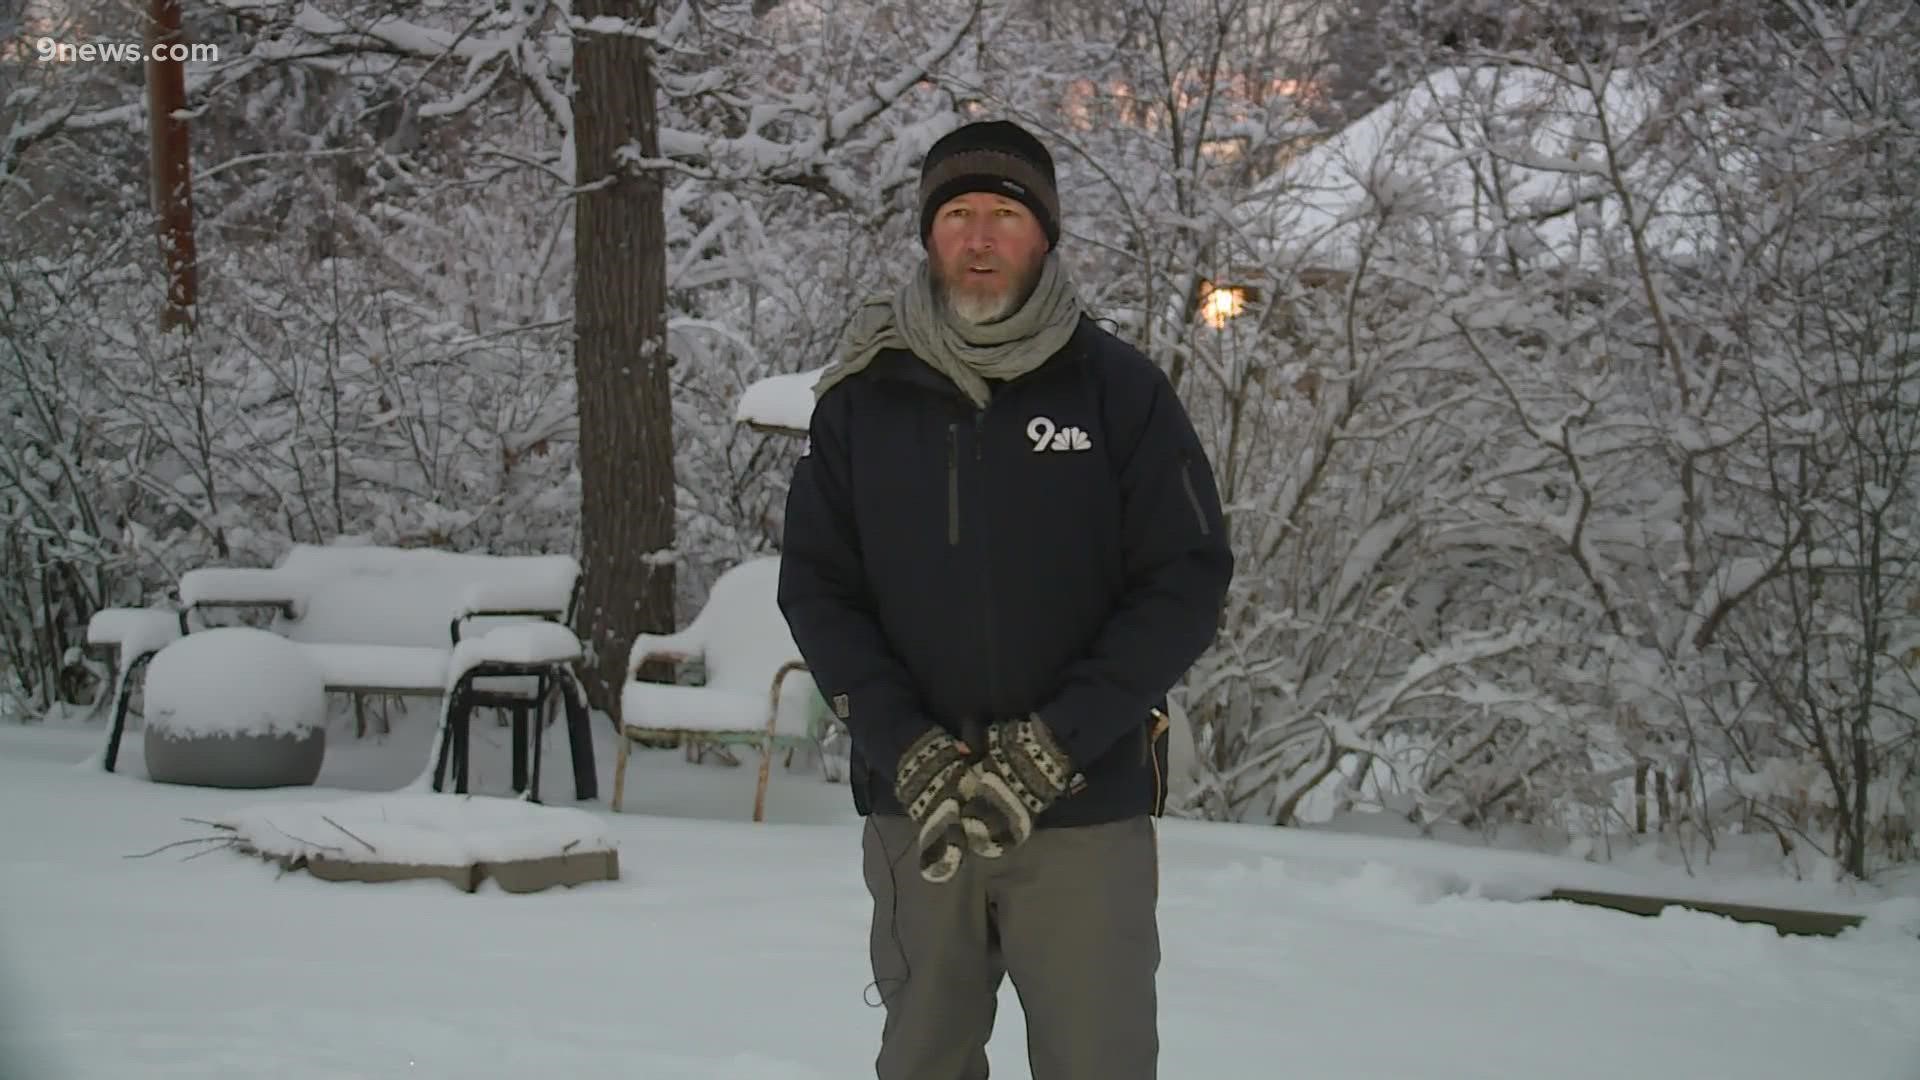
(953, 485)
(986, 573)
(1193, 497)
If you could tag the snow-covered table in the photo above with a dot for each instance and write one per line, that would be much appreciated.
(475, 630)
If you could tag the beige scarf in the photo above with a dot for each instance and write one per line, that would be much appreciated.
(915, 320)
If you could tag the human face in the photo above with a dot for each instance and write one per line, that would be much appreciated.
(987, 251)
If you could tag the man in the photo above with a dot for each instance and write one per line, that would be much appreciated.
(1003, 546)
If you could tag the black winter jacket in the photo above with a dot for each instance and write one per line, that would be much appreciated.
(1061, 551)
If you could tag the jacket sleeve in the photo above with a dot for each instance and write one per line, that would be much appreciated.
(1177, 566)
(824, 597)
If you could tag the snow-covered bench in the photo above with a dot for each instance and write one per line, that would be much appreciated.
(475, 630)
(756, 690)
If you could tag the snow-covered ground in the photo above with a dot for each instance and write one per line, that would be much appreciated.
(734, 950)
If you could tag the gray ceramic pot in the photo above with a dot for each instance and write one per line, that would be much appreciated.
(235, 761)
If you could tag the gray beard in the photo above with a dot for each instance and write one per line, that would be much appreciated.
(981, 310)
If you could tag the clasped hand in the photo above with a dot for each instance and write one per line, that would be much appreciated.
(982, 803)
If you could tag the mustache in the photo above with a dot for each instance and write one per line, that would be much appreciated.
(959, 268)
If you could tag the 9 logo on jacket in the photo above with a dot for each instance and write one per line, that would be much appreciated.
(1046, 435)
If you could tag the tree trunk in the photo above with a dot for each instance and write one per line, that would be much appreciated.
(171, 171)
(620, 353)
(1640, 797)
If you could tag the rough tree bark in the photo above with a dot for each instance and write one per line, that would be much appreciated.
(620, 348)
(172, 189)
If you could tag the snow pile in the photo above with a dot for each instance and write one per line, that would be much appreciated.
(522, 583)
(418, 829)
(524, 643)
(780, 402)
(234, 681)
(134, 630)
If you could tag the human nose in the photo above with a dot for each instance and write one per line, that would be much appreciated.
(978, 237)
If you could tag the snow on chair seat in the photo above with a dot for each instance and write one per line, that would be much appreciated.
(757, 690)
(381, 620)
(127, 639)
(705, 710)
(528, 643)
(134, 630)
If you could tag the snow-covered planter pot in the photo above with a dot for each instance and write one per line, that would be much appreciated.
(235, 708)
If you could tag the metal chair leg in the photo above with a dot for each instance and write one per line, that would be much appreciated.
(622, 751)
(520, 723)
(122, 701)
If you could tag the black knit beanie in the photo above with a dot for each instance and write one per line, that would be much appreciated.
(996, 156)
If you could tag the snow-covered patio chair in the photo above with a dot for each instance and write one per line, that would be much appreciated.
(756, 691)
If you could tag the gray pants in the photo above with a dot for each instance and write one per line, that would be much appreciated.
(1069, 915)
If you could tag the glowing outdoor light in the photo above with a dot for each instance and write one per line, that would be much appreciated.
(1218, 303)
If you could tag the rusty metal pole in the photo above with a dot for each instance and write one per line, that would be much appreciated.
(172, 190)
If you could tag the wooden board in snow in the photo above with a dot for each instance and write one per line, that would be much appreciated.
(464, 839)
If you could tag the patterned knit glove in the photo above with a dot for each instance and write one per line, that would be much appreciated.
(1023, 771)
(928, 785)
